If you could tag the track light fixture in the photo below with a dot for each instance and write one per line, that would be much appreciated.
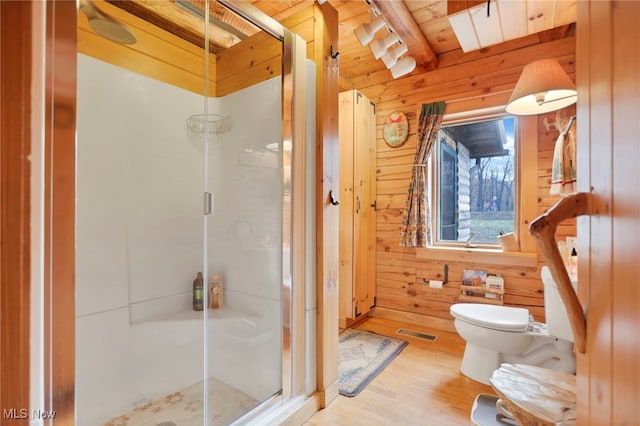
(403, 66)
(365, 32)
(380, 46)
(392, 55)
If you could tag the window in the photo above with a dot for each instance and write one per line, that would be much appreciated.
(473, 181)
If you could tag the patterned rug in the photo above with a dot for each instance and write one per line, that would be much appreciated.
(185, 407)
(363, 355)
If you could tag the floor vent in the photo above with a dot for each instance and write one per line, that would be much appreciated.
(417, 334)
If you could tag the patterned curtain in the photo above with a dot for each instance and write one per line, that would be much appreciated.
(416, 227)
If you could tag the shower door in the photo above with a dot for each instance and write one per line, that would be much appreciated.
(139, 343)
(247, 223)
(183, 170)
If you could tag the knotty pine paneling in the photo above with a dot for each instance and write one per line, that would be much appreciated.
(259, 56)
(466, 82)
(157, 53)
(168, 58)
(608, 373)
(254, 72)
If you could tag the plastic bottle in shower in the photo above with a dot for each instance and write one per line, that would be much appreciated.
(198, 292)
(215, 291)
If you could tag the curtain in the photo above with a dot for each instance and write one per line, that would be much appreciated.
(416, 220)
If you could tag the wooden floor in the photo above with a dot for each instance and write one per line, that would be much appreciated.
(422, 386)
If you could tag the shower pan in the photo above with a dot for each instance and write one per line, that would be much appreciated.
(152, 213)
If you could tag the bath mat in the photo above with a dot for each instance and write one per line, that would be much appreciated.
(363, 355)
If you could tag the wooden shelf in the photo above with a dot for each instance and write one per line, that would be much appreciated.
(477, 294)
(478, 255)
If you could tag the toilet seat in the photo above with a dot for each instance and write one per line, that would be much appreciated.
(503, 318)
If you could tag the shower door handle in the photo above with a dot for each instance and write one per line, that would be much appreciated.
(208, 203)
(332, 199)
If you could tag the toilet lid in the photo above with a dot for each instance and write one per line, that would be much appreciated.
(496, 317)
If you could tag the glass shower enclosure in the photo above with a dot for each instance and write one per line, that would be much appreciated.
(184, 287)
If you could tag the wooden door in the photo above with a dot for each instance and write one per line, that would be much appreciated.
(364, 218)
(347, 205)
(357, 209)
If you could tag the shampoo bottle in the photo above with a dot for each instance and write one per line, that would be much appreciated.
(215, 291)
(198, 292)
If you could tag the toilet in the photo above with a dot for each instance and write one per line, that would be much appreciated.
(501, 334)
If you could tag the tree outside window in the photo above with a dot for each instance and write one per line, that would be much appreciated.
(475, 181)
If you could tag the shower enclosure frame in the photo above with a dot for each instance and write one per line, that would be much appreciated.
(293, 96)
(52, 381)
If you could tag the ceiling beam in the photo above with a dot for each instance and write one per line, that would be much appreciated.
(180, 22)
(400, 19)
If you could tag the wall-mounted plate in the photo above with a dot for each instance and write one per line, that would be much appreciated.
(396, 129)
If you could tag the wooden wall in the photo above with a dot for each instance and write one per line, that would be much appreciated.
(157, 53)
(318, 25)
(466, 82)
(608, 50)
(15, 193)
(163, 56)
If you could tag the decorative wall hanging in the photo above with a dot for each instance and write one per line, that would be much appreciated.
(396, 129)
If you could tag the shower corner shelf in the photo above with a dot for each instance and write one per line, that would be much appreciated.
(211, 314)
(478, 294)
(207, 125)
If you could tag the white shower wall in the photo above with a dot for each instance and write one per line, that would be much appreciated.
(140, 241)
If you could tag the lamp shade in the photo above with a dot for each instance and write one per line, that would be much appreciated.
(543, 87)
(365, 32)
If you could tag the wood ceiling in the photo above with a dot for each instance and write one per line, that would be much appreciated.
(429, 16)
(423, 25)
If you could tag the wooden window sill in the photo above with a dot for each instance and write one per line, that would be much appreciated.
(477, 255)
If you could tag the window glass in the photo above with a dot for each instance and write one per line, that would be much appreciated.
(474, 177)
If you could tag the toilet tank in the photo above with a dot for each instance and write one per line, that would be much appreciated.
(556, 315)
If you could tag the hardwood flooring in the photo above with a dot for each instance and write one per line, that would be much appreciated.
(422, 386)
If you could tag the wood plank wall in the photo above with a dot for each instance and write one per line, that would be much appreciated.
(466, 82)
(15, 192)
(608, 373)
(165, 57)
(259, 57)
(157, 53)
